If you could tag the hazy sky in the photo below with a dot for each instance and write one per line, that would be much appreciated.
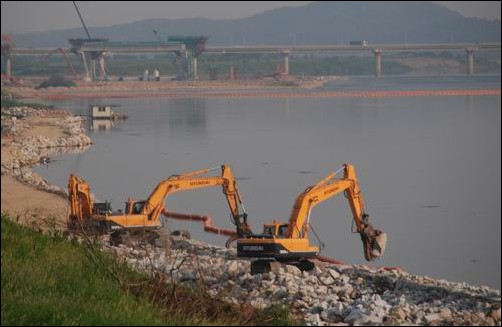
(29, 16)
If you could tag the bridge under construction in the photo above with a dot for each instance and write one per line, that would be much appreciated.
(187, 49)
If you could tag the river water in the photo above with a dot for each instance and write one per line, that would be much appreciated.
(429, 167)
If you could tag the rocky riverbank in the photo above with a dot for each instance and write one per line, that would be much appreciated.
(328, 295)
(31, 136)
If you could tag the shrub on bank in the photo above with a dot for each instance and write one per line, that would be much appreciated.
(56, 81)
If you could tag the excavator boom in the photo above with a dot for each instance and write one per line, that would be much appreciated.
(80, 200)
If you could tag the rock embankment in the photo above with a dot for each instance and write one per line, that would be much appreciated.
(22, 148)
(330, 294)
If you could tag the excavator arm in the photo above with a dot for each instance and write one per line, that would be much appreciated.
(189, 181)
(79, 199)
(373, 240)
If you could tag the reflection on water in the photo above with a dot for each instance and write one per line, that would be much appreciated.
(187, 117)
(429, 167)
(52, 152)
(100, 125)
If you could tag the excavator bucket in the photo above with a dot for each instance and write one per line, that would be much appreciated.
(374, 242)
(378, 246)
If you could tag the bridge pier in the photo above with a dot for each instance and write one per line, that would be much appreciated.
(231, 73)
(102, 71)
(7, 48)
(93, 68)
(195, 70)
(470, 61)
(96, 62)
(8, 66)
(378, 62)
(193, 47)
(87, 77)
(285, 62)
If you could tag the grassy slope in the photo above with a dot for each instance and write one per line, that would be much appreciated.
(48, 280)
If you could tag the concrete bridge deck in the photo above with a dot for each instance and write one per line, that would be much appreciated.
(96, 50)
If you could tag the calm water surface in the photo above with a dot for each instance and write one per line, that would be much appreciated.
(429, 167)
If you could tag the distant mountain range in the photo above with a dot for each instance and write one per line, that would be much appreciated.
(329, 22)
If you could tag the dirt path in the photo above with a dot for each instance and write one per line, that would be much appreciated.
(28, 204)
(44, 126)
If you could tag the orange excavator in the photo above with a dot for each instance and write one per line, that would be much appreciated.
(144, 215)
(289, 242)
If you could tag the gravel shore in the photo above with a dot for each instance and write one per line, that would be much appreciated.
(328, 295)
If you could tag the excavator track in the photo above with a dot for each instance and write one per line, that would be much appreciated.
(262, 266)
(304, 265)
(130, 238)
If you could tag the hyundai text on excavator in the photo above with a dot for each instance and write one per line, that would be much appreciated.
(289, 242)
(144, 215)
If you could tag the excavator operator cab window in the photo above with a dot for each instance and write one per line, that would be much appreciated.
(269, 230)
(275, 230)
(282, 230)
(134, 208)
(102, 208)
(137, 206)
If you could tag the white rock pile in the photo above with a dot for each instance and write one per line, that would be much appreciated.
(328, 295)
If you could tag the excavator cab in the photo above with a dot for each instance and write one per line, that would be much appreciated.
(101, 208)
(275, 229)
(134, 207)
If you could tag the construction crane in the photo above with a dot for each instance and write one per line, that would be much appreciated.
(81, 20)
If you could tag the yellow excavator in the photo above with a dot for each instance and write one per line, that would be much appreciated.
(289, 242)
(144, 215)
